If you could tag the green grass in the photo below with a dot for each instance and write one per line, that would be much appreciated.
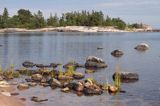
(70, 71)
(117, 81)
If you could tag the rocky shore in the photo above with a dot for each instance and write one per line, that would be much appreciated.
(67, 80)
(74, 29)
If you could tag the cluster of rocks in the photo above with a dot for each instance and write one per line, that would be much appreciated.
(69, 80)
(91, 61)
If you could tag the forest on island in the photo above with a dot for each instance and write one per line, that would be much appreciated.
(26, 19)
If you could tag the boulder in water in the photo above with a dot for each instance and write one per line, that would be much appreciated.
(117, 53)
(142, 47)
(128, 76)
(95, 62)
(28, 64)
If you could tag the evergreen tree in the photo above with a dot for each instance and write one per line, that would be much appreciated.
(1, 22)
(5, 18)
(53, 21)
(39, 20)
(24, 17)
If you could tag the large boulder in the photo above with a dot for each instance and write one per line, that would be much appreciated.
(117, 53)
(95, 62)
(127, 76)
(142, 47)
(28, 64)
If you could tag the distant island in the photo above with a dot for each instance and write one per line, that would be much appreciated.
(83, 21)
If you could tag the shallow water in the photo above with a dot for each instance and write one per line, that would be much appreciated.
(61, 47)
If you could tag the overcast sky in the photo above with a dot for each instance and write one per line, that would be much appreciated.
(146, 11)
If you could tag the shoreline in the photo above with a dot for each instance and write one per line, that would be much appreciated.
(75, 29)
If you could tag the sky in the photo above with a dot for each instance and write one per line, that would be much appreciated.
(131, 11)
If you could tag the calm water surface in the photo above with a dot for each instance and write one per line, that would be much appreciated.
(47, 47)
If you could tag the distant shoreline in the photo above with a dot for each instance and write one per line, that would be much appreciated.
(75, 29)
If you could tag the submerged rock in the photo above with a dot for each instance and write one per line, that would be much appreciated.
(28, 64)
(117, 53)
(88, 71)
(127, 76)
(37, 99)
(142, 47)
(73, 64)
(99, 48)
(23, 86)
(92, 91)
(14, 94)
(95, 62)
(65, 90)
(78, 75)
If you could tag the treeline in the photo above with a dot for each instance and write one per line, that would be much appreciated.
(25, 19)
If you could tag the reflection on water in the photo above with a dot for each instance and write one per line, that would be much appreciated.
(62, 47)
